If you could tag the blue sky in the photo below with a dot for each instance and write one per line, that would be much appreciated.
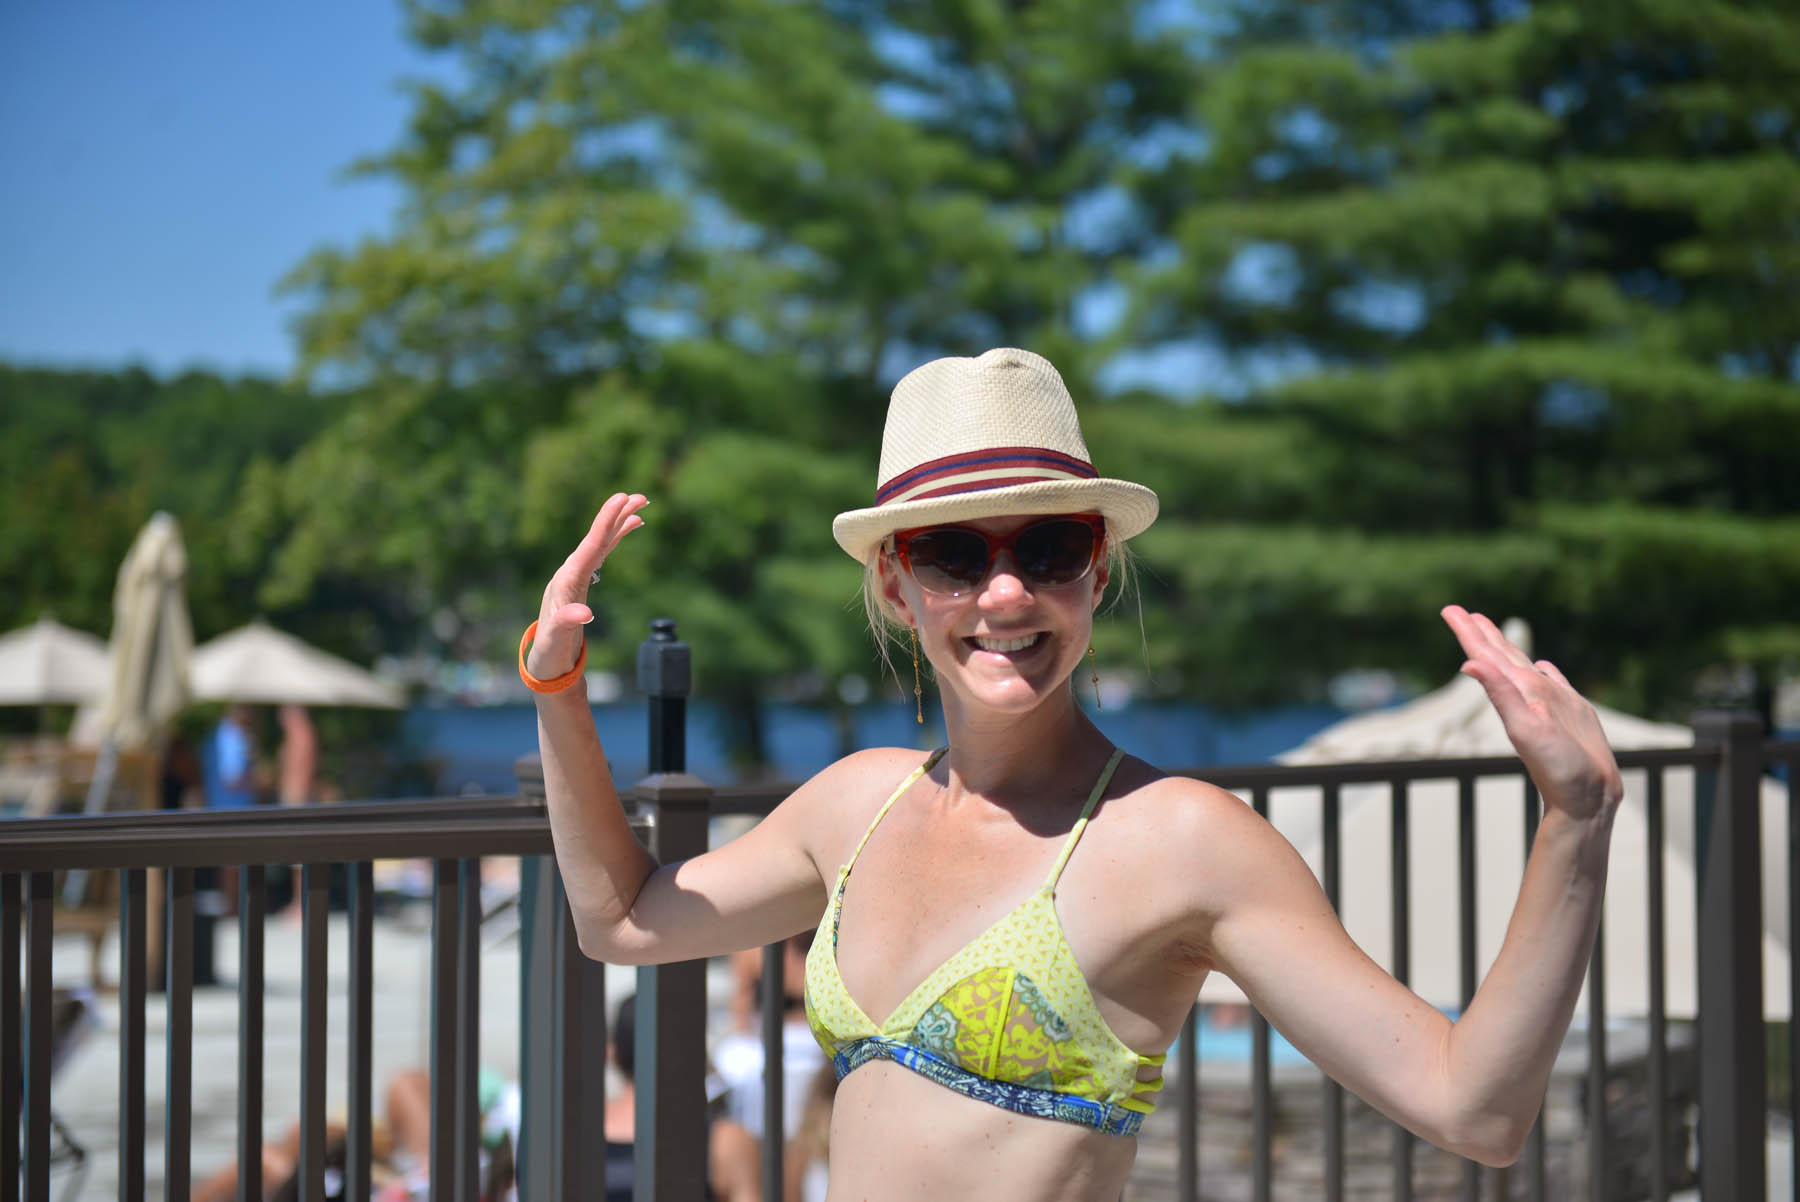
(166, 163)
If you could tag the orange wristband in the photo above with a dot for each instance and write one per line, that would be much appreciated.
(555, 684)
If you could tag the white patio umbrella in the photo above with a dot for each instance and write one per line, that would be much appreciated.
(262, 665)
(1457, 721)
(47, 663)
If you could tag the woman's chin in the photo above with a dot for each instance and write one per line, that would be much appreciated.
(1014, 694)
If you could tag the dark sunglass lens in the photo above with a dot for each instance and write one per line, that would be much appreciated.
(1055, 552)
(943, 560)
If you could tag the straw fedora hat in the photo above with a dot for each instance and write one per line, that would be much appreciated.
(992, 436)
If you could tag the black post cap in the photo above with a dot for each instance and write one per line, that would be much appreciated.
(664, 666)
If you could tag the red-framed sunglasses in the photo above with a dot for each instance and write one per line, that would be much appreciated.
(953, 560)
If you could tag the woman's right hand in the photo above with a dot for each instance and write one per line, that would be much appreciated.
(565, 611)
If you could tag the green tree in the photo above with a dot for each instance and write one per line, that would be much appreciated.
(704, 239)
(1498, 299)
(90, 455)
(1528, 286)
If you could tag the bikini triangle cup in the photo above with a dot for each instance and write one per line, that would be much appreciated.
(1007, 1019)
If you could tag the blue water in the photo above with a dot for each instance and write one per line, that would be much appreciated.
(1231, 1043)
(475, 749)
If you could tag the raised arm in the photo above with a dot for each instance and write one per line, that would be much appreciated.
(627, 908)
(1473, 1086)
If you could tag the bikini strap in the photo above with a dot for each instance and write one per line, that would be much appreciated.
(1106, 775)
(915, 774)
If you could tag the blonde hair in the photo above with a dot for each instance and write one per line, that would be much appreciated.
(885, 625)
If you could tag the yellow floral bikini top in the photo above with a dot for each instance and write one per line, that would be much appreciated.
(1008, 1019)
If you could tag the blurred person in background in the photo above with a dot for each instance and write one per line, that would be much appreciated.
(733, 1160)
(231, 761)
(297, 775)
(739, 1056)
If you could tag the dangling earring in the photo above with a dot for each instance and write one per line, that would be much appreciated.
(918, 693)
(1096, 677)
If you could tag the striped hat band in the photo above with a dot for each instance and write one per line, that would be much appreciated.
(976, 471)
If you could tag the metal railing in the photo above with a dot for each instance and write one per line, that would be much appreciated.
(563, 1029)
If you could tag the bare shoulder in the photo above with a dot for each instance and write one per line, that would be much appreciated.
(873, 769)
(1188, 830)
(841, 798)
(1143, 793)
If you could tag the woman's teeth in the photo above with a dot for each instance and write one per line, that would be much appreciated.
(1018, 644)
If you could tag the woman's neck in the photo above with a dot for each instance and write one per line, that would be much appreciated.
(1003, 757)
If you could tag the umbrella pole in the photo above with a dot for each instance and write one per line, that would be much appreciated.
(106, 767)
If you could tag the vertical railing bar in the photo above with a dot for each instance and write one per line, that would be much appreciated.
(359, 1124)
(1262, 1119)
(468, 1029)
(1399, 799)
(134, 986)
(1468, 907)
(12, 1053)
(1531, 814)
(582, 1035)
(1793, 963)
(1187, 1185)
(178, 994)
(1332, 1094)
(1657, 1067)
(562, 982)
(1596, 1070)
(564, 1139)
(1793, 865)
(253, 905)
(39, 902)
(774, 1016)
(1468, 945)
(1262, 1093)
(1534, 1141)
(443, 1029)
(315, 973)
(1733, 1054)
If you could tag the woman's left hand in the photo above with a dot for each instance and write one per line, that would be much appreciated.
(1553, 728)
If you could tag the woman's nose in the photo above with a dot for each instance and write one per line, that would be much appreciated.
(1004, 585)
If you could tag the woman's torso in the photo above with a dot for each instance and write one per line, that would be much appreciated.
(930, 880)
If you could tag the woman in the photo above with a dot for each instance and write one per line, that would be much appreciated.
(1014, 929)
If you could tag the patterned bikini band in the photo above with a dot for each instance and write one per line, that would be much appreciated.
(1021, 1099)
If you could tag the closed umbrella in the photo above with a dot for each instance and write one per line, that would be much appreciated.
(152, 639)
(262, 665)
(47, 663)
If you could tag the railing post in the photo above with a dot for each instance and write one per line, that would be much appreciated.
(562, 1038)
(1732, 1069)
(670, 1074)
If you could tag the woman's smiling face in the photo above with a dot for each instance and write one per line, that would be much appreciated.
(1004, 643)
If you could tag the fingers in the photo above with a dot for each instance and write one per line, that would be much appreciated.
(632, 522)
(616, 518)
(1502, 690)
(1479, 636)
(1506, 673)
